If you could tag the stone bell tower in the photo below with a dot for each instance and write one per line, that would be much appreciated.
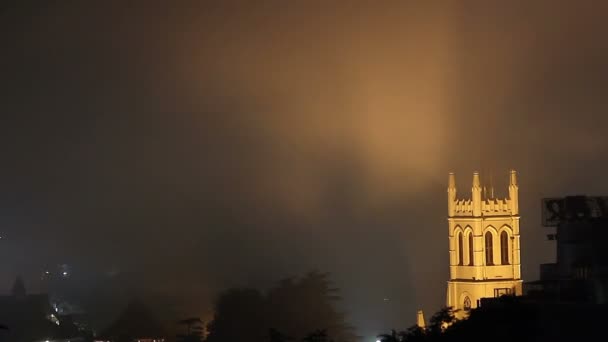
(483, 234)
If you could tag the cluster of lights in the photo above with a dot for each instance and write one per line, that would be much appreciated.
(63, 271)
(53, 319)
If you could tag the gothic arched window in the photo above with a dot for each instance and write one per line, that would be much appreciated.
(467, 303)
(460, 254)
(489, 250)
(470, 249)
(504, 248)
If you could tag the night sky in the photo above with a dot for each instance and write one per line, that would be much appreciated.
(177, 148)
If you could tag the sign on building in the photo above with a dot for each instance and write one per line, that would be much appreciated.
(571, 208)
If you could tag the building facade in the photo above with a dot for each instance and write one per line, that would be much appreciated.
(484, 245)
(580, 272)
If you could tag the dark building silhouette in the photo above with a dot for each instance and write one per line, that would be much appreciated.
(580, 273)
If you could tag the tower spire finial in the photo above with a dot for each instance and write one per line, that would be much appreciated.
(513, 177)
(451, 194)
(491, 184)
(476, 195)
(451, 181)
(513, 192)
(476, 182)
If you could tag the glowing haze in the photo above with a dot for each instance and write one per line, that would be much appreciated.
(235, 143)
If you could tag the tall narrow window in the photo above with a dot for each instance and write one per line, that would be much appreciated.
(489, 249)
(467, 304)
(471, 249)
(504, 248)
(460, 254)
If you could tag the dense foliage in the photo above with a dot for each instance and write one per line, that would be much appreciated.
(296, 309)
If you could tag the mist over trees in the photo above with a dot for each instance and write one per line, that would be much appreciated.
(296, 309)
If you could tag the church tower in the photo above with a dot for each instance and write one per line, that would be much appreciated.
(484, 245)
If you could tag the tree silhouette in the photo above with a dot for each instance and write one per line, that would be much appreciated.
(392, 337)
(295, 307)
(136, 320)
(299, 306)
(414, 334)
(238, 317)
(276, 336)
(316, 336)
(441, 320)
(509, 322)
(18, 289)
(439, 323)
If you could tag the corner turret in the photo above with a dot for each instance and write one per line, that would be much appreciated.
(476, 195)
(513, 193)
(451, 195)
